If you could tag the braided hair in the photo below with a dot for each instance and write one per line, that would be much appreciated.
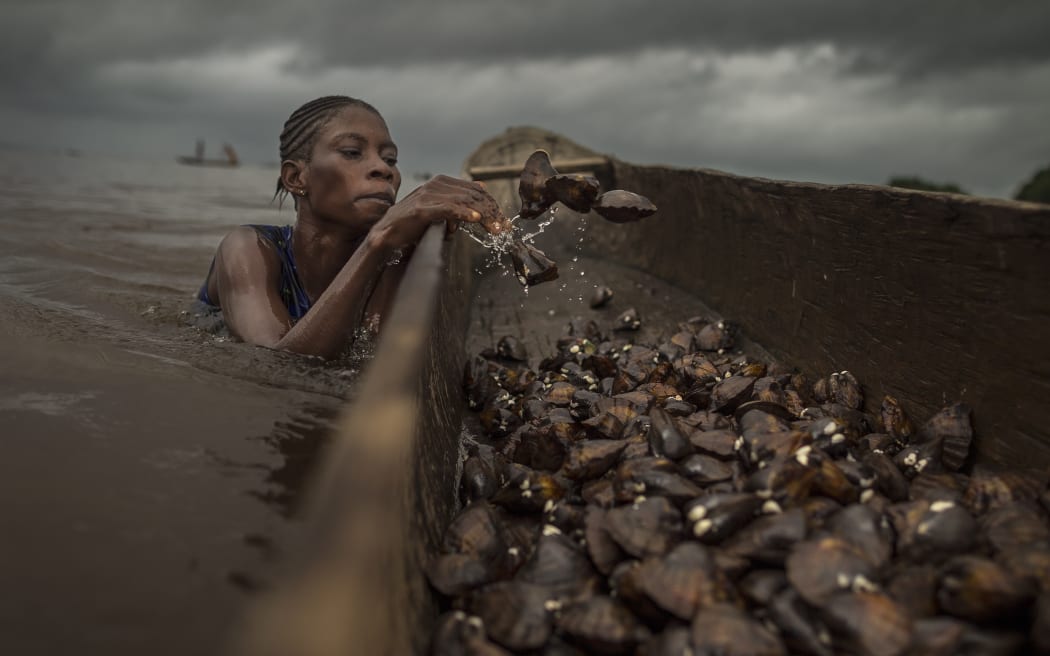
(302, 127)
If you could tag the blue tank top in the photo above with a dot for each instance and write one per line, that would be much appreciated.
(291, 289)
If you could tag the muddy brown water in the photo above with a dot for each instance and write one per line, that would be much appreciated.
(151, 468)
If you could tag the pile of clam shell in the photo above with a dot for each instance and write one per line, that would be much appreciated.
(682, 498)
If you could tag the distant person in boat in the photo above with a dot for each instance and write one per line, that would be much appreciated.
(308, 287)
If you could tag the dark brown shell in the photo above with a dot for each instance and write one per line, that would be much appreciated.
(670, 485)
(844, 389)
(514, 613)
(592, 458)
(799, 628)
(628, 320)
(694, 367)
(1012, 527)
(716, 336)
(647, 528)
(866, 530)
(528, 491)
(785, 480)
(672, 641)
(531, 265)
(914, 588)
(459, 634)
(665, 438)
(769, 390)
(718, 443)
(540, 449)
(730, 392)
(989, 489)
(705, 470)
(980, 590)
(952, 427)
(532, 184)
(714, 517)
(868, 623)
(479, 481)
(602, 549)
(768, 539)
(601, 296)
(558, 563)
(602, 625)
(895, 421)
(937, 636)
(620, 206)
(684, 580)
(888, 478)
(759, 586)
(724, 630)
(820, 569)
(932, 531)
(575, 191)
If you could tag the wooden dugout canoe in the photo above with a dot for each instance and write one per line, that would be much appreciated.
(928, 297)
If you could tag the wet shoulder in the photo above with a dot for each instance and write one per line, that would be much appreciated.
(246, 248)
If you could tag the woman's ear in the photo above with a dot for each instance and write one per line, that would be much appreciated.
(293, 176)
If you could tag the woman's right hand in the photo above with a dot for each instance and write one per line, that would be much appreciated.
(442, 198)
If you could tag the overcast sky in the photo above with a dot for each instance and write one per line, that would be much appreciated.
(817, 90)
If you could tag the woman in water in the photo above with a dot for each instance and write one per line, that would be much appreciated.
(306, 288)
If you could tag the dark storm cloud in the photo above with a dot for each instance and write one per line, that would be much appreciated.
(829, 90)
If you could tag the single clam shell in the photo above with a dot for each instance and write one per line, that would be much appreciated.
(620, 206)
(558, 563)
(647, 528)
(665, 439)
(628, 320)
(531, 265)
(577, 192)
(602, 549)
(914, 587)
(895, 421)
(799, 628)
(952, 428)
(514, 613)
(819, 569)
(980, 590)
(592, 458)
(684, 580)
(532, 185)
(704, 470)
(867, 623)
(714, 517)
(601, 296)
(760, 586)
(729, 393)
(601, 624)
(865, 529)
(932, 531)
(844, 389)
(458, 633)
(768, 539)
(726, 631)
(672, 641)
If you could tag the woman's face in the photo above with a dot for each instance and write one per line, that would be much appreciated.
(352, 177)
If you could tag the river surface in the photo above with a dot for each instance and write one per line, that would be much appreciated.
(150, 466)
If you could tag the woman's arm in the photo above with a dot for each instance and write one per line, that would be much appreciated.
(248, 271)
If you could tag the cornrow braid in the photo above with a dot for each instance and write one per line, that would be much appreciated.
(302, 127)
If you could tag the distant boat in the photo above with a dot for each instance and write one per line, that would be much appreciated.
(199, 160)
